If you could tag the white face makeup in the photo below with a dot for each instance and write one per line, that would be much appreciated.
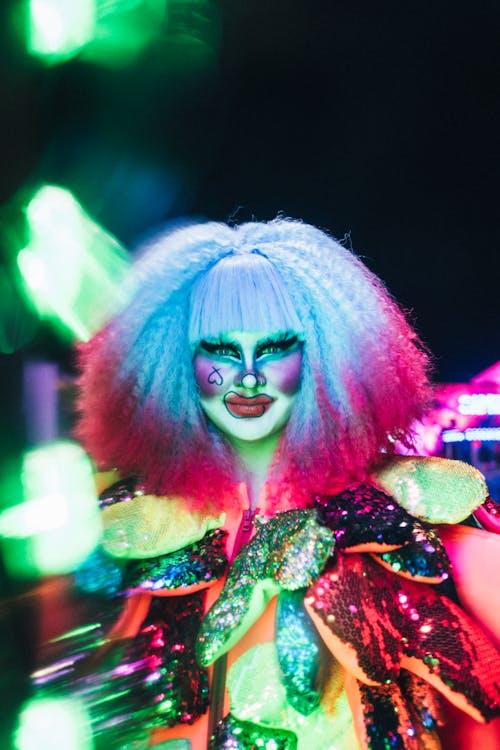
(248, 382)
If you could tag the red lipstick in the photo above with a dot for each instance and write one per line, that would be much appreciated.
(243, 406)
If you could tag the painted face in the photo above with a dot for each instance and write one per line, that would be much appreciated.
(248, 382)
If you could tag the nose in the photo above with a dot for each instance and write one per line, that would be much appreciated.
(249, 379)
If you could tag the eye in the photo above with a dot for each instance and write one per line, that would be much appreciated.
(220, 349)
(276, 346)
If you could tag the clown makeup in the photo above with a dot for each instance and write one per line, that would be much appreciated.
(248, 382)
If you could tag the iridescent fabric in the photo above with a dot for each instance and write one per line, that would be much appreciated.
(288, 551)
(233, 734)
(433, 489)
(363, 519)
(138, 526)
(423, 559)
(379, 626)
(352, 579)
(149, 681)
(376, 624)
(299, 649)
(391, 722)
(258, 694)
(198, 565)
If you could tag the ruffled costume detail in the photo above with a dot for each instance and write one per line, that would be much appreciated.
(401, 639)
(367, 622)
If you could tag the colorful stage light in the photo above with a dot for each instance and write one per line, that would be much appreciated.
(72, 269)
(479, 403)
(53, 724)
(18, 323)
(453, 436)
(471, 434)
(124, 28)
(57, 525)
(58, 29)
(107, 31)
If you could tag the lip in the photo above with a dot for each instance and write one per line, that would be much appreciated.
(243, 407)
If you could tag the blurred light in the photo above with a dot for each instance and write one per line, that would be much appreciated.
(123, 29)
(479, 403)
(114, 32)
(482, 433)
(453, 436)
(72, 269)
(57, 525)
(108, 31)
(58, 29)
(53, 724)
(18, 324)
(34, 516)
(473, 433)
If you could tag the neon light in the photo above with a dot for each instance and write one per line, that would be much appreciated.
(479, 403)
(453, 436)
(110, 32)
(482, 433)
(34, 517)
(72, 270)
(57, 525)
(58, 29)
(472, 433)
(53, 724)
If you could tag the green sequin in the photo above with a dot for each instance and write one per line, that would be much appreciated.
(288, 552)
(299, 647)
(233, 734)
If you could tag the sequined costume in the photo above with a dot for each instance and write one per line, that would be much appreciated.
(340, 623)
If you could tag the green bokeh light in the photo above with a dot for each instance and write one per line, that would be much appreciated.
(109, 31)
(53, 724)
(58, 29)
(71, 268)
(57, 525)
(123, 29)
(18, 323)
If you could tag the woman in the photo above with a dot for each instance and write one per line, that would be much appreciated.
(252, 396)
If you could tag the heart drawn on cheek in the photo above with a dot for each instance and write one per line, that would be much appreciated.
(215, 377)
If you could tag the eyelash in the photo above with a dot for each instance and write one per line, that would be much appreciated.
(230, 349)
(221, 348)
(281, 344)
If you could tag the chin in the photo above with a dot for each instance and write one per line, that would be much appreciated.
(254, 434)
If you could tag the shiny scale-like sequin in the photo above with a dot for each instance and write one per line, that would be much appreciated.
(391, 621)
(233, 734)
(288, 551)
(299, 648)
(424, 558)
(201, 563)
(131, 686)
(364, 518)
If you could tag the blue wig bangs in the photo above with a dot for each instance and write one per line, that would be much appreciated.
(242, 292)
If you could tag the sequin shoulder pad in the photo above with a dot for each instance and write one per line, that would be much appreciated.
(137, 525)
(437, 490)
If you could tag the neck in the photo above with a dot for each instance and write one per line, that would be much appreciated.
(256, 459)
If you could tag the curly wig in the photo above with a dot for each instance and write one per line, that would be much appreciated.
(364, 378)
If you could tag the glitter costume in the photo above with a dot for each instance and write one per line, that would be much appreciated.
(359, 608)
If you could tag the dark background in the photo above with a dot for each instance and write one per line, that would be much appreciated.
(378, 122)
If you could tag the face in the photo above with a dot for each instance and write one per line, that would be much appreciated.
(248, 382)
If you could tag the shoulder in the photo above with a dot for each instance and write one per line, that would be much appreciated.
(137, 525)
(437, 490)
